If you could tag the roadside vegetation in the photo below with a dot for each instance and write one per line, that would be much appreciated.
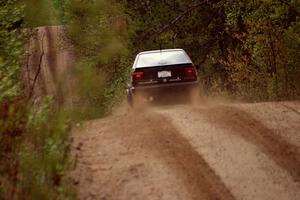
(247, 50)
(34, 135)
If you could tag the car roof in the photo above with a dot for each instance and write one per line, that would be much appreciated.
(162, 50)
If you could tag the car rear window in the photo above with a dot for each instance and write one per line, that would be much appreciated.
(162, 58)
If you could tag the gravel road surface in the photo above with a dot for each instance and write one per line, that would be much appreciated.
(209, 151)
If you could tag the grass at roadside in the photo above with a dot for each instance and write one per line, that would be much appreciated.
(35, 153)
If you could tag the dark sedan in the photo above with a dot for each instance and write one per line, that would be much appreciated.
(155, 73)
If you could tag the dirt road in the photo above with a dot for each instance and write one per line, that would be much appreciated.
(213, 151)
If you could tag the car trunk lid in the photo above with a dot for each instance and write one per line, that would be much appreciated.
(164, 74)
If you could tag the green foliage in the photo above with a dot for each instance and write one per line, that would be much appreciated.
(11, 16)
(98, 30)
(41, 13)
(43, 155)
(90, 89)
(262, 66)
(61, 7)
(33, 142)
(12, 108)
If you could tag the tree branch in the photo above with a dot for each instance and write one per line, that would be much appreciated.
(179, 17)
(174, 21)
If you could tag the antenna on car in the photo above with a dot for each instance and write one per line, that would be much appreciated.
(160, 46)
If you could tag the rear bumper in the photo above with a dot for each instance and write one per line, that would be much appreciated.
(179, 86)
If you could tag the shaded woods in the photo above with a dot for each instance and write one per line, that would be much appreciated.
(248, 50)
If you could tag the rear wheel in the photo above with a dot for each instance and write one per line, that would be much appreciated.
(138, 100)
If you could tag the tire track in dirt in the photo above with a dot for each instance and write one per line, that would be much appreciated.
(290, 108)
(244, 125)
(163, 140)
(210, 152)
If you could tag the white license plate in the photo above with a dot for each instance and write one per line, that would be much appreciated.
(164, 74)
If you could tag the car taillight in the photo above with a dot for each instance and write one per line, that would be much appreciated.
(137, 76)
(190, 72)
